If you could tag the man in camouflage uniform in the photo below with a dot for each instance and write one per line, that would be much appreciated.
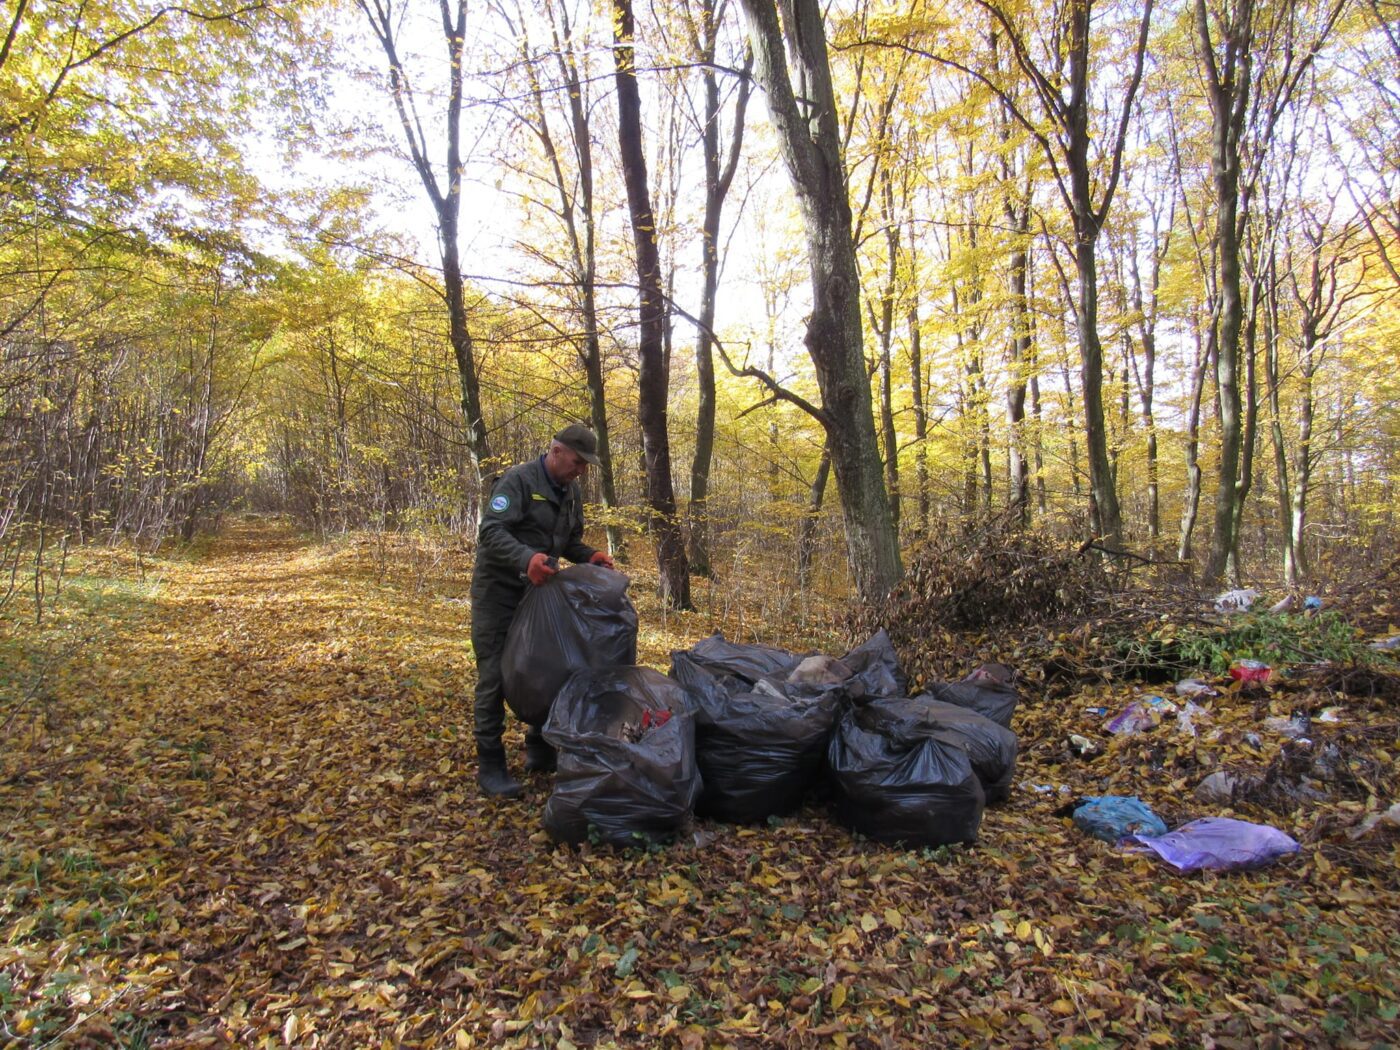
(534, 516)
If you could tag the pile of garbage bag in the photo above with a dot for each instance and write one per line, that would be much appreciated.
(626, 748)
(742, 733)
(771, 726)
(580, 619)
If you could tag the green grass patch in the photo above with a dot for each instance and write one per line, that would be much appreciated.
(1276, 639)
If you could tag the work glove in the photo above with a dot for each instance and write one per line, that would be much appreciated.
(540, 569)
(602, 558)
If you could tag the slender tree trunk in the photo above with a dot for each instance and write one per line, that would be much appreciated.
(807, 528)
(385, 22)
(652, 385)
(1192, 502)
(808, 135)
(916, 385)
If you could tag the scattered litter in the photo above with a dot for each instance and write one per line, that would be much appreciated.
(1100, 711)
(1219, 844)
(1390, 818)
(1236, 601)
(1083, 746)
(1049, 789)
(1295, 727)
(1116, 817)
(1245, 671)
(1188, 717)
(1135, 718)
(1218, 789)
(1392, 642)
(1160, 704)
(1312, 603)
(1194, 687)
(1329, 714)
(1254, 740)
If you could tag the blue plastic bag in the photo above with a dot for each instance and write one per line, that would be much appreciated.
(1219, 844)
(1116, 817)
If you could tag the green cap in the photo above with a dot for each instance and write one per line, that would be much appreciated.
(580, 439)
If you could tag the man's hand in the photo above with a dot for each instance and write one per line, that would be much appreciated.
(602, 558)
(539, 569)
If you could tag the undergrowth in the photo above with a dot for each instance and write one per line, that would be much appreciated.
(1276, 639)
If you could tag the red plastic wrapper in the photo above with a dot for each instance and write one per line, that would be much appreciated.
(1250, 671)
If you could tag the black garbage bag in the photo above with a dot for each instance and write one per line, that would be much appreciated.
(895, 780)
(988, 696)
(626, 743)
(875, 668)
(737, 665)
(991, 748)
(759, 749)
(581, 618)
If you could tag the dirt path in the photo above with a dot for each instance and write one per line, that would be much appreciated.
(269, 755)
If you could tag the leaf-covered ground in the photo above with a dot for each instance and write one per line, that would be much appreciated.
(237, 808)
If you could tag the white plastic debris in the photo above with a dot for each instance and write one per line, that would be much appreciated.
(1390, 817)
(1193, 687)
(1236, 601)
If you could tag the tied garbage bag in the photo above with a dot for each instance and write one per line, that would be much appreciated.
(1219, 844)
(581, 618)
(991, 748)
(737, 666)
(894, 780)
(988, 691)
(875, 669)
(626, 742)
(758, 749)
(1116, 817)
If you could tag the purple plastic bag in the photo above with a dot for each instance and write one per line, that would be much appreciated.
(1219, 844)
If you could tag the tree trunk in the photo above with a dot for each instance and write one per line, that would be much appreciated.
(1192, 502)
(652, 384)
(807, 528)
(808, 136)
(718, 178)
(386, 24)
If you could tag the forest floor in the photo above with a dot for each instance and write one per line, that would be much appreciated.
(237, 807)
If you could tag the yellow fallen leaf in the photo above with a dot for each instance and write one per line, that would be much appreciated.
(838, 996)
(1063, 1007)
(1023, 930)
(894, 918)
(678, 993)
(869, 923)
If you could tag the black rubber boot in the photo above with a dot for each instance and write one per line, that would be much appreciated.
(492, 775)
(539, 754)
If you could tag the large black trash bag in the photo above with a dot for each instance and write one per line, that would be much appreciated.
(875, 668)
(988, 696)
(991, 748)
(626, 742)
(581, 618)
(758, 749)
(894, 780)
(744, 664)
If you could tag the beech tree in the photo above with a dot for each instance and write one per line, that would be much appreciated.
(652, 382)
(386, 22)
(790, 60)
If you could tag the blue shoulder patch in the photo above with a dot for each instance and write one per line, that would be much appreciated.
(500, 503)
